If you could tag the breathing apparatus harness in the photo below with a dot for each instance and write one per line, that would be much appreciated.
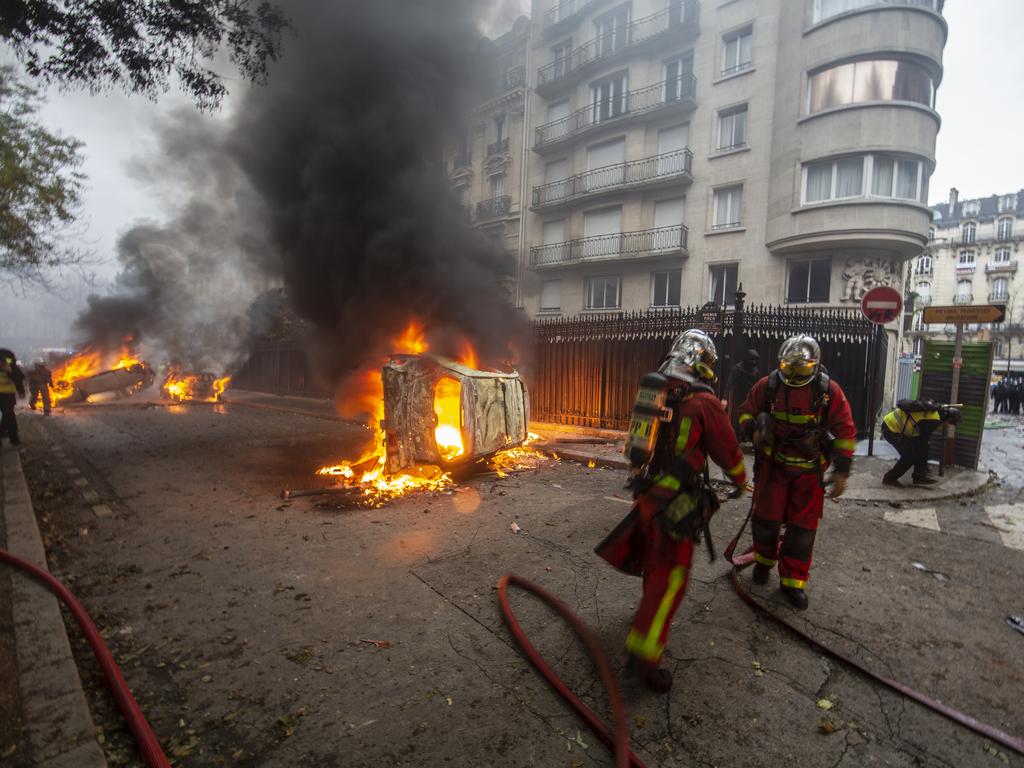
(811, 441)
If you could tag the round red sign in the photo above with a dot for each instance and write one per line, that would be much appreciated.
(882, 305)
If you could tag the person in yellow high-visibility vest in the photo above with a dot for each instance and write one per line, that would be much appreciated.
(908, 428)
(12, 386)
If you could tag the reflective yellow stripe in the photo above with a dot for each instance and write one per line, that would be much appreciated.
(737, 470)
(650, 648)
(684, 434)
(793, 583)
(791, 461)
(764, 560)
(671, 482)
(845, 445)
(745, 417)
(794, 418)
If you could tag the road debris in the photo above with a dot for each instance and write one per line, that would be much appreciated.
(827, 726)
(1017, 622)
(825, 705)
(925, 569)
(515, 527)
(378, 643)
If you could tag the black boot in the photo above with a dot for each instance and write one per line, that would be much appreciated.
(654, 677)
(886, 480)
(760, 573)
(797, 597)
(925, 481)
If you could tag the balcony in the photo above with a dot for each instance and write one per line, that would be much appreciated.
(497, 147)
(559, 17)
(963, 298)
(679, 93)
(646, 242)
(1000, 266)
(462, 160)
(998, 297)
(651, 171)
(680, 20)
(965, 269)
(923, 272)
(513, 78)
(494, 208)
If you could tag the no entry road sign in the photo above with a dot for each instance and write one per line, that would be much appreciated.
(881, 305)
(982, 313)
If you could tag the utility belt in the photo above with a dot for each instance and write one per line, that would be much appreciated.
(687, 513)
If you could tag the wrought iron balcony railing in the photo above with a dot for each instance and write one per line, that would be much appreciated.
(963, 299)
(566, 10)
(513, 78)
(680, 91)
(1001, 266)
(998, 296)
(629, 174)
(494, 207)
(643, 242)
(965, 269)
(497, 147)
(923, 271)
(678, 19)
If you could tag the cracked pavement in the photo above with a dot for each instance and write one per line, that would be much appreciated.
(244, 622)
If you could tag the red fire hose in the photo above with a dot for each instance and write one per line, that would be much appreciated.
(146, 740)
(617, 740)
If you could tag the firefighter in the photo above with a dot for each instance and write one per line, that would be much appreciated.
(738, 384)
(908, 427)
(678, 421)
(39, 382)
(800, 422)
(12, 386)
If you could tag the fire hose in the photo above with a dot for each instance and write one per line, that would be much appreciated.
(149, 745)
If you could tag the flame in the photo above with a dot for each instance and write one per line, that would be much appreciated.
(448, 408)
(468, 356)
(180, 387)
(412, 341)
(87, 363)
(520, 458)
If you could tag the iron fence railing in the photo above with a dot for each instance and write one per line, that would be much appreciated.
(627, 174)
(497, 147)
(1001, 266)
(679, 90)
(494, 207)
(568, 9)
(676, 18)
(629, 244)
(963, 298)
(997, 296)
(513, 78)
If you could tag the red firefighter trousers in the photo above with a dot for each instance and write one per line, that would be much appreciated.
(666, 570)
(796, 501)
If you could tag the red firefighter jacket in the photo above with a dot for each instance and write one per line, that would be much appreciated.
(795, 412)
(700, 428)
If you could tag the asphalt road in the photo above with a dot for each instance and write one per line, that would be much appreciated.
(243, 622)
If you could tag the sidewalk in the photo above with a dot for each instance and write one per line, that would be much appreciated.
(60, 730)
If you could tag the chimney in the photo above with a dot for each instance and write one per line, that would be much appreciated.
(954, 198)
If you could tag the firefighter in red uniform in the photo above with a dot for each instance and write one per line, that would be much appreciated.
(800, 421)
(677, 422)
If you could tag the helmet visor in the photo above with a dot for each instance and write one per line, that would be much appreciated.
(797, 372)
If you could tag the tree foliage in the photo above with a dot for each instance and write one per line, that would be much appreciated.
(138, 44)
(40, 187)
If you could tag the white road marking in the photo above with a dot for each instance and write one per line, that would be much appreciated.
(616, 498)
(1009, 521)
(918, 517)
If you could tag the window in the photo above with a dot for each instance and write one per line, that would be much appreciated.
(931, 234)
(723, 284)
(968, 233)
(826, 9)
(677, 11)
(609, 97)
(561, 57)
(924, 294)
(732, 128)
(809, 281)
(728, 207)
(551, 296)
(924, 265)
(737, 51)
(866, 81)
(1002, 256)
(602, 292)
(554, 232)
(665, 288)
(864, 175)
(971, 208)
(966, 259)
(678, 78)
(1007, 203)
(499, 128)
(1004, 229)
(497, 182)
(964, 293)
(1000, 289)
(611, 30)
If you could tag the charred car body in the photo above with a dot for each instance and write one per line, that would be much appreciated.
(123, 382)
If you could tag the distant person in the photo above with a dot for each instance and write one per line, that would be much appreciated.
(908, 428)
(1013, 396)
(740, 381)
(39, 382)
(12, 386)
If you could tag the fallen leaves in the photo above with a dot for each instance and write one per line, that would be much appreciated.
(825, 705)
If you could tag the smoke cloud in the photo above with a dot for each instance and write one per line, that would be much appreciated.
(330, 179)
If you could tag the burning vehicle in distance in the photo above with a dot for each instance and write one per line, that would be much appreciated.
(123, 382)
(193, 386)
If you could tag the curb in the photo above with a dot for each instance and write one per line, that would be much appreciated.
(60, 730)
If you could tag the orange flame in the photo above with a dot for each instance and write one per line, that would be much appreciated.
(468, 356)
(87, 363)
(412, 341)
(190, 387)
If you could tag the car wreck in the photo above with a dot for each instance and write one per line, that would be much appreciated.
(123, 382)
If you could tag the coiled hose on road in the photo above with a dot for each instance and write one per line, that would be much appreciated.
(149, 745)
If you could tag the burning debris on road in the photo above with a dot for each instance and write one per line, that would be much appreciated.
(193, 387)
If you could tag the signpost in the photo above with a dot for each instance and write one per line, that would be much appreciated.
(880, 305)
(958, 315)
(711, 318)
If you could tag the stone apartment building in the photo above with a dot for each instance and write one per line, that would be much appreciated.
(972, 258)
(676, 148)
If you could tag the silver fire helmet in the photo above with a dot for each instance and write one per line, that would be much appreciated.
(799, 360)
(692, 354)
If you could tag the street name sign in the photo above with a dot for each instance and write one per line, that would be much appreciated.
(881, 305)
(961, 313)
(710, 318)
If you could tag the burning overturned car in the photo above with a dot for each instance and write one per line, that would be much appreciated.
(83, 376)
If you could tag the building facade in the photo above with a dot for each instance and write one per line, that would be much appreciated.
(972, 258)
(677, 149)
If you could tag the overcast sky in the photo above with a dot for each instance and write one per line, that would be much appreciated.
(979, 149)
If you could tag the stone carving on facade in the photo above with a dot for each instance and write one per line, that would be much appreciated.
(860, 275)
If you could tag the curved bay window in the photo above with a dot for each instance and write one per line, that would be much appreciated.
(870, 176)
(861, 82)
